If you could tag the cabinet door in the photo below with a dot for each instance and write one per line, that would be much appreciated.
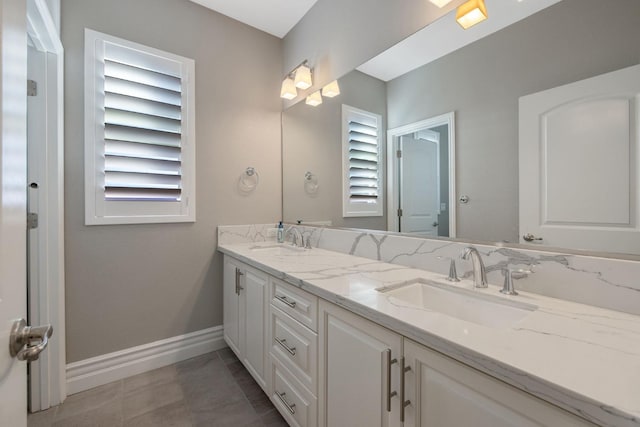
(253, 323)
(231, 305)
(354, 370)
(446, 393)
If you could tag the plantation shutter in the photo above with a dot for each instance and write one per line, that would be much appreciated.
(142, 128)
(363, 159)
(362, 170)
(139, 133)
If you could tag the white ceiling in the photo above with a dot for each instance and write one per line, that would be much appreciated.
(445, 36)
(275, 17)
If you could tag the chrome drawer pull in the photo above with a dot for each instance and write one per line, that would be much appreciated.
(283, 343)
(291, 304)
(290, 407)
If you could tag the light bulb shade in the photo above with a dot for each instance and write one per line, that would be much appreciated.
(314, 99)
(440, 3)
(331, 90)
(288, 90)
(470, 13)
(303, 77)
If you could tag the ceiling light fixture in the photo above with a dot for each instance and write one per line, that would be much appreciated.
(298, 78)
(303, 76)
(471, 13)
(288, 90)
(314, 99)
(440, 3)
(331, 90)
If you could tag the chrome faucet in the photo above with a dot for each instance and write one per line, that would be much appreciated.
(479, 273)
(297, 239)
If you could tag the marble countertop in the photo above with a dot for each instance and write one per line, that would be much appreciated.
(582, 358)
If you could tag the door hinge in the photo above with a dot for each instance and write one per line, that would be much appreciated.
(399, 153)
(399, 211)
(32, 88)
(32, 220)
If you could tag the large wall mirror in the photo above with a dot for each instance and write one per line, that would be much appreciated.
(470, 170)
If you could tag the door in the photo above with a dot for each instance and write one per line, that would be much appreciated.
(13, 204)
(253, 300)
(579, 164)
(420, 183)
(357, 360)
(231, 304)
(445, 393)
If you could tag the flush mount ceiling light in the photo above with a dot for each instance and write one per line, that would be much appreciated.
(440, 3)
(314, 99)
(303, 76)
(331, 90)
(470, 13)
(288, 90)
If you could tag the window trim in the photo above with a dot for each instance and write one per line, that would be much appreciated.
(99, 211)
(350, 209)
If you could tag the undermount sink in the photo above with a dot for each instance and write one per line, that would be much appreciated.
(471, 306)
(277, 248)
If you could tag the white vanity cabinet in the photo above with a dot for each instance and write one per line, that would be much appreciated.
(444, 392)
(293, 350)
(359, 379)
(245, 316)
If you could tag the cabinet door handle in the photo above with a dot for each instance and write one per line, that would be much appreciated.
(290, 407)
(283, 343)
(291, 304)
(390, 393)
(403, 403)
(238, 274)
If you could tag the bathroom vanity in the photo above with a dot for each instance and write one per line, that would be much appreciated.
(337, 339)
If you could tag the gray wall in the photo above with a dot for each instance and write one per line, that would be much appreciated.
(312, 141)
(572, 40)
(133, 284)
(336, 36)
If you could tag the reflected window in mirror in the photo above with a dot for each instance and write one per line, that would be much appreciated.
(362, 165)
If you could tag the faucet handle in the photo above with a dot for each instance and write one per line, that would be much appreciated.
(453, 273)
(508, 287)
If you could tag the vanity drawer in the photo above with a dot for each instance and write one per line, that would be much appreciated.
(297, 303)
(295, 346)
(297, 405)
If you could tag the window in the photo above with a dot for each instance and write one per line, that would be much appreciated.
(139, 133)
(361, 158)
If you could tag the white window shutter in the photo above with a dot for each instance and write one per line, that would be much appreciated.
(140, 139)
(362, 162)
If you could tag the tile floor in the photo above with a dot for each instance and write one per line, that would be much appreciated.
(210, 390)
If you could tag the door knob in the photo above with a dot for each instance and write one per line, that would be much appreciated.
(530, 237)
(435, 224)
(23, 337)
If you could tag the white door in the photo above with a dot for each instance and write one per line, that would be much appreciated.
(13, 204)
(253, 301)
(579, 164)
(445, 393)
(355, 369)
(231, 304)
(420, 183)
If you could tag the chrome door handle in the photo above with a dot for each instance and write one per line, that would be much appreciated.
(22, 336)
(290, 406)
(390, 393)
(530, 237)
(291, 304)
(283, 344)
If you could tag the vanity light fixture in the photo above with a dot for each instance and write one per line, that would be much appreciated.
(303, 76)
(314, 99)
(470, 13)
(288, 90)
(440, 3)
(331, 90)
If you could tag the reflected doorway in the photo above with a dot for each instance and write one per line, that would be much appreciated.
(421, 186)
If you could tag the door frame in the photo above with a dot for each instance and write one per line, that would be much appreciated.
(46, 301)
(393, 139)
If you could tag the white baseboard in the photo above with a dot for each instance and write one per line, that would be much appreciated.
(90, 373)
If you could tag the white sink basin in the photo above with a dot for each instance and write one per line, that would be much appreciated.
(468, 305)
(277, 248)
